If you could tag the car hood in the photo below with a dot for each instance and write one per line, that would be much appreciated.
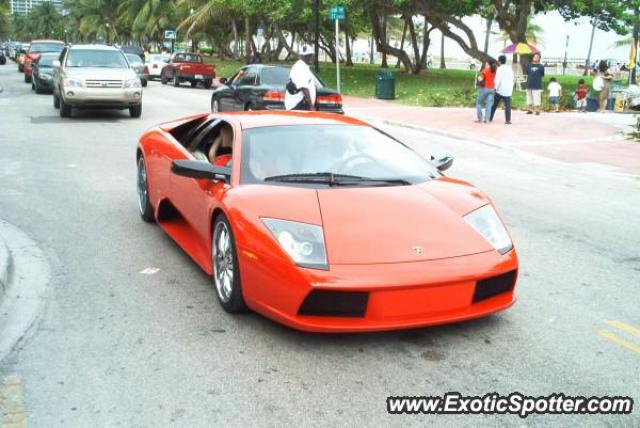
(100, 73)
(401, 223)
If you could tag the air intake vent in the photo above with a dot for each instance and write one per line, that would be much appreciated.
(335, 304)
(493, 286)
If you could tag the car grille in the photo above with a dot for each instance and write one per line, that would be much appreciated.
(493, 286)
(104, 83)
(330, 303)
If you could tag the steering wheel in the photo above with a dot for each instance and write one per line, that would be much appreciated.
(358, 156)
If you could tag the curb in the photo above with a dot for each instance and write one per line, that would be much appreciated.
(24, 279)
(5, 268)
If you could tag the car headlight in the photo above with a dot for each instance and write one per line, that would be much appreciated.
(486, 222)
(45, 76)
(73, 83)
(132, 83)
(303, 242)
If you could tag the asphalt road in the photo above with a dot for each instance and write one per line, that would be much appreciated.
(117, 347)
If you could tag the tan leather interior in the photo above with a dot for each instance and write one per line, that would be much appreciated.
(224, 139)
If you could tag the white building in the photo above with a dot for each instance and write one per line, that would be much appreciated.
(23, 7)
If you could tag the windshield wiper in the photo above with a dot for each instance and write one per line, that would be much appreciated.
(336, 179)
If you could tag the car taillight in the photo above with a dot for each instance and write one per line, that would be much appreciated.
(330, 99)
(275, 96)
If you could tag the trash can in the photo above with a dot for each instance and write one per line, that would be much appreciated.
(386, 85)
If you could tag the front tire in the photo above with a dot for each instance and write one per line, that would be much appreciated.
(193, 84)
(207, 84)
(163, 80)
(56, 101)
(135, 111)
(65, 109)
(144, 206)
(226, 272)
(27, 79)
(144, 83)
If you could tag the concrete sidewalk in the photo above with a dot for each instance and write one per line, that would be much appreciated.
(571, 137)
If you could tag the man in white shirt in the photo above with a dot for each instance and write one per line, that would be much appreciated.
(304, 97)
(504, 89)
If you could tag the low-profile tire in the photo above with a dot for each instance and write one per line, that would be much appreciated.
(215, 106)
(144, 83)
(135, 111)
(226, 272)
(193, 83)
(163, 80)
(176, 80)
(56, 101)
(144, 206)
(65, 109)
(207, 84)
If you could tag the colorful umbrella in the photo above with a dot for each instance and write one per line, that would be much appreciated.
(521, 49)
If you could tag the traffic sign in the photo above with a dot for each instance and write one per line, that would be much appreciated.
(337, 13)
(170, 35)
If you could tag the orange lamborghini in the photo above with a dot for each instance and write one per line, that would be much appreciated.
(325, 223)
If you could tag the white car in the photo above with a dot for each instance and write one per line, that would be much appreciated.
(155, 64)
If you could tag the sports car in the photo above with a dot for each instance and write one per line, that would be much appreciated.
(324, 223)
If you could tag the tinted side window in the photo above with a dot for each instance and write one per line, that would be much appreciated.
(249, 78)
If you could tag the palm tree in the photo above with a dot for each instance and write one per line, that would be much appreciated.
(99, 19)
(46, 21)
(5, 19)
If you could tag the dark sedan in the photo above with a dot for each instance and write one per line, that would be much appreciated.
(261, 87)
(42, 72)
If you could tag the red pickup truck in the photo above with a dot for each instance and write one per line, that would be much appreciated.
(188, 67)
(39, 47)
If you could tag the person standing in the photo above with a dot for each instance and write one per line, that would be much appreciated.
(605, 92)
(555, 91)
(300, 93)
(535, 73)
(486, 90)
(504, 89)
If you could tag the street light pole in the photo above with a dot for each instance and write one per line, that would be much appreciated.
(317, 37)
(564, 63)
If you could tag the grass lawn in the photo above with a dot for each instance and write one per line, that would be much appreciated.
(432, 88)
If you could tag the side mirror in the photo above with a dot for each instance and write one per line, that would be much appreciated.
(55, 63)
(223, 80)
(442, 163)
(200, 169)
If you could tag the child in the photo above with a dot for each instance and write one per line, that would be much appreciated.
(581, 95)
(554, 89)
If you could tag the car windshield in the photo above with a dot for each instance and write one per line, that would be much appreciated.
(187, 58)
(329, 155)
(47, 60)
(46, 47)
(279, 76)
(96, 58)
(159, 58)
(134, 59)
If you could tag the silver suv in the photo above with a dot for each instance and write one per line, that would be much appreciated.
(95, 76)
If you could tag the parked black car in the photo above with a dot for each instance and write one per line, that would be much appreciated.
(42, 72)
(261, 87)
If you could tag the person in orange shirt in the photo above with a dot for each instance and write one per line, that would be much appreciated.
(486, 91)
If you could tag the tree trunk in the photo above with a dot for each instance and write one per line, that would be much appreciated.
(383, 34)
(634, 47)
(587, 62)
(290, 48)
(373, 41)
(347, 29)
(384, 47)
(234, 31)
(404, 35)
(487, 34)
(415, 69)
(250, 46)
(442, 63)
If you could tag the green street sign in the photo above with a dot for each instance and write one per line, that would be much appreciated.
(337, 12)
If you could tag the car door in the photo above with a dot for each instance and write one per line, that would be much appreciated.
(193, 197)
(245, 88)
(226, 96)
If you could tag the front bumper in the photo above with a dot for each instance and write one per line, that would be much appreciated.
(102, 97)
(45, 84)
(398, 296)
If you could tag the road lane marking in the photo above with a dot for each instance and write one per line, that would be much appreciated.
(12, 414)
(624, 327)
(618, 340)
(150, 271)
